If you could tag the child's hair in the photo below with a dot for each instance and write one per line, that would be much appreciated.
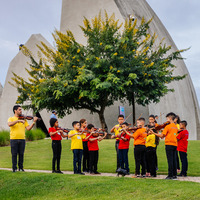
(171, 115)
(178, 119)
(141, 119)
(120, 116)
(152, 116)
(89, 126)
(52, 122)
(184, 122)
(82, 121)
(125, 123)
(74, 123)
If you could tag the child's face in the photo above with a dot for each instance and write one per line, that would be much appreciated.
(77, 126)
(140, 123)
(120, 120)
(151, 120)
(84, 124)
(124, 126)
(92, 129)
(182, 126)
(56, 124)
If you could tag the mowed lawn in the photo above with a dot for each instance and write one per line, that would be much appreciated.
(38, 155)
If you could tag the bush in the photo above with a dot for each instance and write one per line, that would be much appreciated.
(4, 138)
(35, 134)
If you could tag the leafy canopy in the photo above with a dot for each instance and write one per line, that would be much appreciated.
(115, 64)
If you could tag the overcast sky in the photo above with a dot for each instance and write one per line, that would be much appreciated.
(21, 18)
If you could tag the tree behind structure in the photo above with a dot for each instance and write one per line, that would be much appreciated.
(115, 65)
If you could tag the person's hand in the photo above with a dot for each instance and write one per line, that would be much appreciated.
(113, 136)
(116, 127)
(21, 121)
(35, 119)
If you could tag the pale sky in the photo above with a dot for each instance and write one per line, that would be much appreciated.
(19, 19)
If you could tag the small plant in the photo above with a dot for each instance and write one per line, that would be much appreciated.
(4, 138)
(35, 134)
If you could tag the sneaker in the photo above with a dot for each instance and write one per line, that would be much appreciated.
(174, 177)
(136, 176)
(143, 176)
(169, 177)
(14, 170)
(22, 170)
(80, 173)
(53, 171)
(97, 172)
(59, 172)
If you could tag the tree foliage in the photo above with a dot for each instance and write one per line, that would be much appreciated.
(117, 64)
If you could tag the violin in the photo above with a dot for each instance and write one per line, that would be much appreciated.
(23, 117)
(63, 129)
(161, 126)
(97, 134)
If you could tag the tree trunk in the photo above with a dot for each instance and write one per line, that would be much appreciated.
(133, 107)
(102, 120)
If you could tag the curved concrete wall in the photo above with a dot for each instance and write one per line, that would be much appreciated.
(183, 101)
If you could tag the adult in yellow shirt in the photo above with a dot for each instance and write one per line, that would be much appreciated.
(116, 129)
(77, 146)
(17, 137)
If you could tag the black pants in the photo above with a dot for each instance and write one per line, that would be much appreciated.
(184, 162)
(151, 160)
(123, 157)
(94, 156)
(117, 151)
(17, 148)
(85, 156)
(171, 159)
(177, 161)
(57, 148)
(139, 153)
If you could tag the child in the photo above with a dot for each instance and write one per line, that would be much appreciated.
(83, 124)
(182, 138)
(139, 147)
(93, 149)
(116, 129)
(56, 144)
(124, 147)
(77, 146)
(170, 132)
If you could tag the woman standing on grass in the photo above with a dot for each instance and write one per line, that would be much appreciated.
(56, 134)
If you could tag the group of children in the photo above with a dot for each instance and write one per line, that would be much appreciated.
(146, 138)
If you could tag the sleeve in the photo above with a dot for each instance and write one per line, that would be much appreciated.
(148, 139)
(51, 130)
(71, 132)
(165, 131)
(10, 119)
(180, 135)
(136, 134)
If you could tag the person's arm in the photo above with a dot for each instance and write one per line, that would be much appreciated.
(71, 135)
(161, 135)
(29, 127)
(15, 122)
(93, 139)
(131, 135)
(105, 134)
(86, 138)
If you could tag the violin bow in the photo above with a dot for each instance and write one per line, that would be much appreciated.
(128, 117)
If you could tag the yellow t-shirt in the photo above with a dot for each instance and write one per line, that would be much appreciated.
(150, 141)
(117, 131)
(76, 140)
(17, 131)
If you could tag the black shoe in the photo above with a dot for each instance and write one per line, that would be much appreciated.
(153, 175)
(53, 171)
(97, 172)
(174, 177)
(143, 176)
(22, 170)
(59, 172)
(81, 173)
(14, 170)
(169, 177)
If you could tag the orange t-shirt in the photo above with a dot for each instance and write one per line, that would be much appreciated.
(140, 136)
(170, 132)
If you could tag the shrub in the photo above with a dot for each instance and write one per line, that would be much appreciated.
(4, 138)
(35, 134)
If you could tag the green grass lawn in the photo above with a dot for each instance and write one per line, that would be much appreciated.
(41, 186)
(38, 155)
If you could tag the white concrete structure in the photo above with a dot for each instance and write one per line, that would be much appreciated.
(183, 101)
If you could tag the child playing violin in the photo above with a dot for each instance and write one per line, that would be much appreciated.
(139, 147)
(56, 134)
(77, 146)
(93, 149)
(83, 124)
(124, 139)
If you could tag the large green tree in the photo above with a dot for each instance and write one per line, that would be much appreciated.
(117, 64)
